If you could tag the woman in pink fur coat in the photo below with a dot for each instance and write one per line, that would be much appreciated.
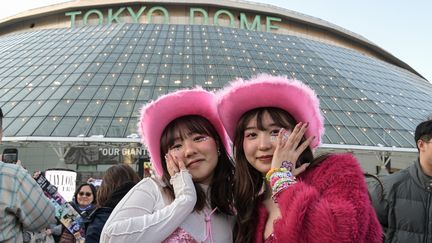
(283, 193)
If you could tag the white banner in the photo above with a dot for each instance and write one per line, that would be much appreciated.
(64, 180)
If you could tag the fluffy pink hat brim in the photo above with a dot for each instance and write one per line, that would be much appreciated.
(156, 115)
(271, 91)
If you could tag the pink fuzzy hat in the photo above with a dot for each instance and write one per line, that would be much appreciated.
(265, 90)
(156, 115)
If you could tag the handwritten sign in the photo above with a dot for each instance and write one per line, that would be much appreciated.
(64, 180)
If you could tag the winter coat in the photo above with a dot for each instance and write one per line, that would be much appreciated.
(404, 208)
(101, 215)
(329, 203)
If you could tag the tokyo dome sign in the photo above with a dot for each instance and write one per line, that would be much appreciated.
(144, 15)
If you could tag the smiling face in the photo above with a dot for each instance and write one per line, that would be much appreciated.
(259, 142)
(199, 153)
(192, 140)
(255, 141)
(85, 196)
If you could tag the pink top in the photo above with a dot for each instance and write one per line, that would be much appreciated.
(180, 235)
(329, 203)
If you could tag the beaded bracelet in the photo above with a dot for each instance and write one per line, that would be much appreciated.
(279, 181)
(278, 190)
(282, 182)
(273, 170)
(276, 175)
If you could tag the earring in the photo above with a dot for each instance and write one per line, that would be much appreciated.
(218, 151)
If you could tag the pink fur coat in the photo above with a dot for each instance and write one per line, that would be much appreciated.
(329, 203)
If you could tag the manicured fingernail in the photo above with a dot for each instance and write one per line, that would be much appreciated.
(307, 124)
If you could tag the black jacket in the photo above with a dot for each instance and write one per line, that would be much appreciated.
(404, 208)
(101, 215)
(94, 228)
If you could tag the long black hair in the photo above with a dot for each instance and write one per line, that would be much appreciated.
(249, 181)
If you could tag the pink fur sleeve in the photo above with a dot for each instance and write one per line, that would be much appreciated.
(329, 204)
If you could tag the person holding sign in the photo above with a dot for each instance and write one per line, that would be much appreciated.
(84, 203)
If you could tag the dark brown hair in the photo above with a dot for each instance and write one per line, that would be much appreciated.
(114, 178)
(248, 181)
(221, 195)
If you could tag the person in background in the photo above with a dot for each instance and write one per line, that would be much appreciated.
(282, 192)
(84, 202)
(116, 182)
(189, 150)
(23, 205)
(404, 202)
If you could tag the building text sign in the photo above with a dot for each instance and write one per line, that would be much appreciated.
(144, 15)
(103, 155)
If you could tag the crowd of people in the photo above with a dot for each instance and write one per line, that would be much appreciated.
(235, 165)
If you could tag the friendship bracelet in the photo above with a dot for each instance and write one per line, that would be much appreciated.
(282, 184)
(273, 170)
(270, 172)
(280, 181)
(280, 189)
(278, 175)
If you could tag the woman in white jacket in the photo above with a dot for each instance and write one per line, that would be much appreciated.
(193, 200)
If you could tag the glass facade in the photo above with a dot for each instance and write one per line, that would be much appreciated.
(93, 80)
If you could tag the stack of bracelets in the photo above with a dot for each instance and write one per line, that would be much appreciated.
(280, 179)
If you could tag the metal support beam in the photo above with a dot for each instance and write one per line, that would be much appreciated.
(61, 153)
(384, 157)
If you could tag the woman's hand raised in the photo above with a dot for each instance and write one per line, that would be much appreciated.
(288, 149)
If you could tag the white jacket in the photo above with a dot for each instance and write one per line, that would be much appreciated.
(146, 215)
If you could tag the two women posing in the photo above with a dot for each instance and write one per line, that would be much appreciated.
(278, 191)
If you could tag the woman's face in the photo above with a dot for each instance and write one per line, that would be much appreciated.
(85, 196)
(259, 145)
(199, 153)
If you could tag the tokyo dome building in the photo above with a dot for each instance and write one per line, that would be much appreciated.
(73, 77)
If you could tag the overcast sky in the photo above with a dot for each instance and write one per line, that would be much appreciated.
(401, 27)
